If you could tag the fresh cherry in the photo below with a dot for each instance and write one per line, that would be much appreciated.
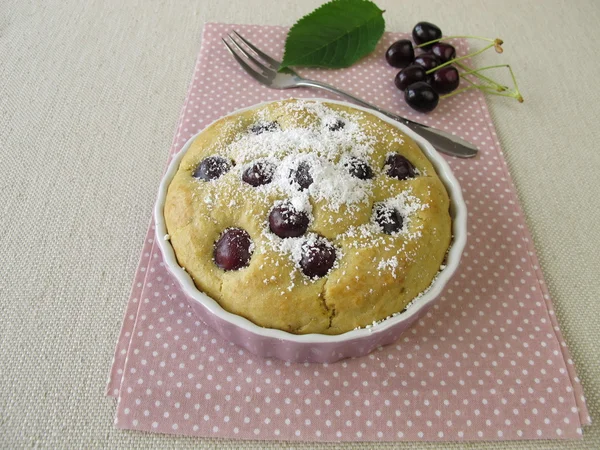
(409, 75)
(425, 32)
(285, 221)
(427, 60)
(259, 173)
(445, 80)
(260, 128)
(317, 258)
(233, 249)
(359, 169)
(211, 168)
(444, 52)
(389, 219)
(421, 97)
(400, 53)
(399, 167)
(302, 175)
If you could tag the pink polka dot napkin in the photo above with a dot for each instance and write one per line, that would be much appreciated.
(487, 362)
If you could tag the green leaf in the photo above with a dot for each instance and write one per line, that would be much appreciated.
(335, 35)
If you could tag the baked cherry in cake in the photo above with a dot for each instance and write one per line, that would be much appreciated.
(211, 168)
(260, 128)
(318, 258)
(259, 173)
(285, 221)
(301, 175)
(359, 169)
(399, 167)
(233, 249)
(338, 124)
(388, 218)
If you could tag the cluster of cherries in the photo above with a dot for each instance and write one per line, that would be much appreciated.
(420, 78)
(233, 249)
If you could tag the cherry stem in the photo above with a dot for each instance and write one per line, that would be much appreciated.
(475, 86)
(475, 73)
(452, 61)
(494, 41)
(513, 94)
(514, 79)
(516, 93)
(483, 88)
(496, 88)
(458, 92)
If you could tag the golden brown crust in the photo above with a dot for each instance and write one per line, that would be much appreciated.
(375, 276)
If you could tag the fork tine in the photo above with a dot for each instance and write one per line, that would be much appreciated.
(253, 73)
(267, 72)
(273, 63)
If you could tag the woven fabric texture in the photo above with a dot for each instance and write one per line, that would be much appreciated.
(90, 93)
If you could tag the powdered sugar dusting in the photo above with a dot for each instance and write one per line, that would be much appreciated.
(391, 263)
(407, 205)
(370, 234)
(321, 143)
(294, 247)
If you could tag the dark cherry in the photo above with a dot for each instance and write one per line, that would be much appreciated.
(444, 52)
(233, 249)
(421, 97)
(399, 167)
(359, 169)
(445, 80)
(211, 168)
(260, 128)
(389, 219)
(400, 53)
(302, 175)
(337, 125)
(259, 173)
(317, 258)
(425, 32)
(285, 221)
(409, 75)
(427, 60)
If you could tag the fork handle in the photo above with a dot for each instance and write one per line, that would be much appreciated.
(444, 142)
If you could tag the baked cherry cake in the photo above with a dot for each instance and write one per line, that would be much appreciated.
(308, 217)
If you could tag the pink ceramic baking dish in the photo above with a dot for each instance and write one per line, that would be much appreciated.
(272, 343)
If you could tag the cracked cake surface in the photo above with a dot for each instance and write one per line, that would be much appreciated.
(308, 217)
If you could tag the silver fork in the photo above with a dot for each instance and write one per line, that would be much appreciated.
(265, 72)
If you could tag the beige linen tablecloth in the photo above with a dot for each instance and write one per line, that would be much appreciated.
(90, 93)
